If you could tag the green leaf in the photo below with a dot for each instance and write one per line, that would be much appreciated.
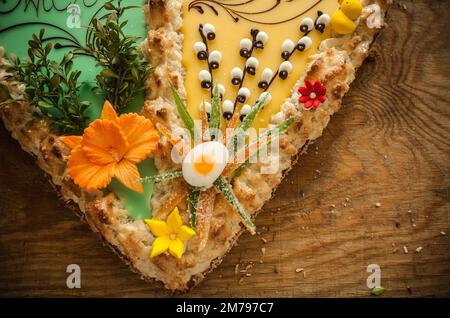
(161, 177)
(224, 187)
(108, 73)
(193, 201)
(377, 291)
(187, 119)
(214, 122)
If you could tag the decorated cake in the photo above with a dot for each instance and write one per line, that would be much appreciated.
(167, 124)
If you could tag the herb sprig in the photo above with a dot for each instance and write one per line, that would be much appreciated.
(124, 69)
(51, 86)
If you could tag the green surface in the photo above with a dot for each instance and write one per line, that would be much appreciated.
(20, 19)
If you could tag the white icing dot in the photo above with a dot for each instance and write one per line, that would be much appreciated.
(215, 56)
(245, 92)
(237, 73)
(266, 75)
(204, 75)
(324, 19)
(252, 62)
(207, 107)
(307, 24)
(246, 109)
(228, 106)
(286, 66)
(208, 28)
(246, 44)
(199, 47)
(306, 41)
(221, 89)
(262, 36)
(265, 95)
(312, 95)
(287, 45)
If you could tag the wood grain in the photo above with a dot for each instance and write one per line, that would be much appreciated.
(390, 145)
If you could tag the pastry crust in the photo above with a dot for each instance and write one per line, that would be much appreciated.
(335, 65)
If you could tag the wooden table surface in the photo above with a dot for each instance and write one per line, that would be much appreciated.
(376, 183)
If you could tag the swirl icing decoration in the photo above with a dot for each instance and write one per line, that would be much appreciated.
(251, 11)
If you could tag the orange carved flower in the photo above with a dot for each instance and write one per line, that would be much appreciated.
(110, 147)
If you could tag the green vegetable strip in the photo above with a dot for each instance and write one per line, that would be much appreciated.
(245, 124)
(214, 122)
(187, 119)
(161, 177)
(193, 201)
(225, 188)
(281, 128)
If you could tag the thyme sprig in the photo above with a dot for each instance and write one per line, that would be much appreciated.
(51, 86)
(124, 69)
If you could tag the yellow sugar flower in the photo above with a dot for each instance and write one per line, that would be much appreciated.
(170, 235)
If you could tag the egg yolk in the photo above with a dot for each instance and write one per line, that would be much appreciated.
(204, 164)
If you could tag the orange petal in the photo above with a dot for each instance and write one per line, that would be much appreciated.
(103, 142)
(87, 175)
(108, 111)
(127, 173)
(141, 135)
(71, 141)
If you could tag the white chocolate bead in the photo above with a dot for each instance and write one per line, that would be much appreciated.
(277, 118)
(306, 41)
(286, 66)
(228, 106)
(306, 25)
(324, 19)
(246, 109)
(208, 28)
(215, 56)
(199, 47)
(262, 37)
(244, 92)
(221, 89)
(204, 75)
(287, 45)
(237, 73)
(265, 95)
(266, 74)
(252, 62)
(246, 44)
(207, 107)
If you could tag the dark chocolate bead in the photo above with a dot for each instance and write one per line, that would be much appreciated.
(284, 74)
(236, 81)
(244, 53)
(211, 36)
(240, 98)
(202, 55)
(206, 84)
(320, 27)
(251, 70)
(285, 55)
(263, 84)
(258, 45)
(214, 65)
(303, 28)
(227, 115)
(242, 117)
(301, 47)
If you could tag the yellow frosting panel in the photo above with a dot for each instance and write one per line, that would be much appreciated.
(228, 36)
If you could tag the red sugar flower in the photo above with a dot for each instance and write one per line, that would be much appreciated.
(312, 94)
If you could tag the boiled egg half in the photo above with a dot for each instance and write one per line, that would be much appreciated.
(205, 163)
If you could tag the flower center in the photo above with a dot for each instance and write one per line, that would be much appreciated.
(173, 236)
(115, 154)
(312, 95)
(204, 164)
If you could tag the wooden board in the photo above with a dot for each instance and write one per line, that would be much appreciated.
(389, 145)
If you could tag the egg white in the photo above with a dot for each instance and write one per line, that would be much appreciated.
(212, 149)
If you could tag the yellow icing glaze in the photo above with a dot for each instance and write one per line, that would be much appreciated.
(228, 36)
